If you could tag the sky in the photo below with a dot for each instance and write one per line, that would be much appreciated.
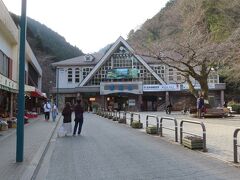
(89, 24)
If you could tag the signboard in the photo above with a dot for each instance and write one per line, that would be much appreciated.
(122, 73)
(158, 87)
(131, 102)
(120, 87)
(8, 84)
(197, 86)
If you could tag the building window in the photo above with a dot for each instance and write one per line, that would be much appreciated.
(77, 75)
(170, 75)
(179, 77)
(4, 64)
(70, 75)
(86, 71)
(213, 78)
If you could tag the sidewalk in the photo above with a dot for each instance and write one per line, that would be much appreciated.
(36, 137)
(219, 132)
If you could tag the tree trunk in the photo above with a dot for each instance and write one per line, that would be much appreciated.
(204, 87)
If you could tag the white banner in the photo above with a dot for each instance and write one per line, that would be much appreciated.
(158, 87)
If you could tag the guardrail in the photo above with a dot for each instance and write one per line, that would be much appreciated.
(132, 115)
(203, 129)
(175, 129)
(115, 116)
(157, 120)
(127, 112)
(124, 114)
(235, 145)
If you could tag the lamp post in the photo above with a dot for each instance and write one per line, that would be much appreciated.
(21, 83)
(57, 84)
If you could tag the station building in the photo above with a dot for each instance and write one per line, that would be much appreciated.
(120, 79)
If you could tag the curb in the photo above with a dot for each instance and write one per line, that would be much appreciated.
(34, 166)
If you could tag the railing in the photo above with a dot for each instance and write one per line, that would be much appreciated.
(175, 129)
(235, 145)
(157, 121)
(203, 129)
(124, 114)
(115, 116)
(132, 115)
(127, 112)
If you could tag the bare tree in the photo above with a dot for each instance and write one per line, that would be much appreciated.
(194, 62)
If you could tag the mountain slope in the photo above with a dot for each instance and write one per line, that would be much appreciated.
(49, 47)
(200, 23)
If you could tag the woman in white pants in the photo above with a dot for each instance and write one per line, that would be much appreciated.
(67, 119)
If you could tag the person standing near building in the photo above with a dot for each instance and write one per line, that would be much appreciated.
(54, 112)
(47, 109)
(200, 106)
(67, 119)
(78, 109)
(169, 108)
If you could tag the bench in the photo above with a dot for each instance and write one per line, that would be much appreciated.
(216, 112)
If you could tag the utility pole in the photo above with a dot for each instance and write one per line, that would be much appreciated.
(21, 83)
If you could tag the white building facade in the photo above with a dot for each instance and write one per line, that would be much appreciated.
(9, 61)
(120, 79)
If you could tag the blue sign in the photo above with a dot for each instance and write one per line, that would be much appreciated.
(130, 88)
(111, 87)
(120, 87)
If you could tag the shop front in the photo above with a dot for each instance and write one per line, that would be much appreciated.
(34, 100)
(8, 90)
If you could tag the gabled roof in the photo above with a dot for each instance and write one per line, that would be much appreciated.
(80, 60)
(106, 56)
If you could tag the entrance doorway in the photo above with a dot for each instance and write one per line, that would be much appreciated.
(121, 102)
(149, 103)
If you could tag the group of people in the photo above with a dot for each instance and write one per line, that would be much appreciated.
(48, 108)
(67, 118)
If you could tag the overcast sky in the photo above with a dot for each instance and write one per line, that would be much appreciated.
(89, 24)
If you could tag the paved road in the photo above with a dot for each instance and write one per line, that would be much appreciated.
(111, 151)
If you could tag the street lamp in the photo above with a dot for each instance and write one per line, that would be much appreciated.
(57, 84)
(21, 83)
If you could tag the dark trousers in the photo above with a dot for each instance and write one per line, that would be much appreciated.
(47, 115)
(78, 124)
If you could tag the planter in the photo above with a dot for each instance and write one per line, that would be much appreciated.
(115, 118)
(121, 120)
(152, 129)
(193, 142)
(3, 126)
(137, 125)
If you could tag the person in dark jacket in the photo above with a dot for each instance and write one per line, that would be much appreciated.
(78, 109)
(67, 118)
(169, 108)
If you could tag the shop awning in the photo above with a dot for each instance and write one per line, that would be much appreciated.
(37, 93)
(34, 92)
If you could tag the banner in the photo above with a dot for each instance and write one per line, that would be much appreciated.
(158, 87)
(122, 73)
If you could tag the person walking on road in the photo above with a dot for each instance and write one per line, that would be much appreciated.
(54, 112)
(67, 119)
(78, 109)
(47, 109)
